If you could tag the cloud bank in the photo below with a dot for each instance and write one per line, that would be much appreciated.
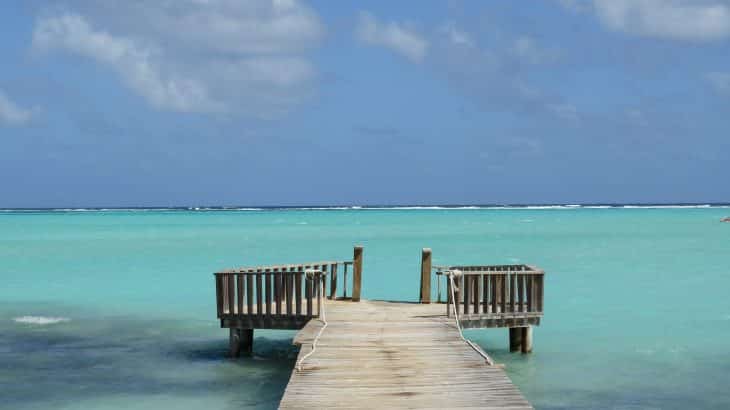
(196, 56)
(694, 20)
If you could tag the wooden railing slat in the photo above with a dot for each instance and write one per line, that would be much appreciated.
(541, 292)
(240, 293)
(477, 294)
(289, 293)
(448, 297)
(268, 292)
(528, 293)
(259, 293)
(231, 294)
(277, 291)
(333, 281)
(465, 283)
(298, 291)
(457, 292)
(224, 294)
(512, 285)
(503, 293)
(319, 279)
(308, 294)
(485, 295)
(218, 294)
(249, 293)
(520, 292)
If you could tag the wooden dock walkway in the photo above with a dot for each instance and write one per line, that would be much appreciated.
(394, 355)
(377, 354)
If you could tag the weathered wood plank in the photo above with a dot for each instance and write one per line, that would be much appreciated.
(394, 355)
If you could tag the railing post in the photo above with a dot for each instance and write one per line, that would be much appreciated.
(333, 281)
(425, 296)
(356, 273)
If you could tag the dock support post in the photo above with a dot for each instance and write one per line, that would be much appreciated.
(515, 339)
(527, 339)
(356, 273)
(241, 340)
(425, 296)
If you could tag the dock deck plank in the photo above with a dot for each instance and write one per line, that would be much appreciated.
(376, 354)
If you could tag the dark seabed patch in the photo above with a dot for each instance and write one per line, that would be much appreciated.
(135, 363)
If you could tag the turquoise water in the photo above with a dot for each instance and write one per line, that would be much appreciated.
(116, 309)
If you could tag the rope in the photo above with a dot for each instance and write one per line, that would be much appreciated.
(473, 345)
(323, 319)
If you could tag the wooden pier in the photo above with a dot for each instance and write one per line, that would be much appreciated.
(394, 355)
(387, 354)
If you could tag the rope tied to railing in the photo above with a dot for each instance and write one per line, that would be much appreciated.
(451, 274)
(311, 274)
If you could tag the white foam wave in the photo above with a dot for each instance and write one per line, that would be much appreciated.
(40, 320)
(667, 206)
(376, 208)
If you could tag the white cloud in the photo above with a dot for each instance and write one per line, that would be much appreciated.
(11, 113)
(139, 65)
(699, 20)
(720, 81)
(196, 55)
(395, 36)
(261, 26)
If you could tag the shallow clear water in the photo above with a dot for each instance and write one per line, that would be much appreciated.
(637, 312)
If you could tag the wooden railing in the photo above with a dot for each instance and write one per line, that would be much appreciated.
(495, 296)
(270, 297)
(281, 296)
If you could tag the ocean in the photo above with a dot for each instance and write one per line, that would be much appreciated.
(109, 309)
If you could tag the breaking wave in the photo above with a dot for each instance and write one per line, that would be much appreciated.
(40, 320)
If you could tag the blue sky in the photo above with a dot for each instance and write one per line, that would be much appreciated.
(223, 102)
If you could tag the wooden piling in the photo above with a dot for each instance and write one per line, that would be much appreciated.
(515, 339)
(241, 340)
(234, 341)
(425, 296)
(526, 339)
(356, 273)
